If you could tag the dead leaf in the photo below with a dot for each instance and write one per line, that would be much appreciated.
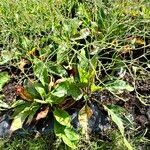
(139, 41)
(42, 114)
(84, 115)
(23, 93)
(21, 64)
(125, 49)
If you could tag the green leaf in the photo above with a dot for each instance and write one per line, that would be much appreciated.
(59, 130)
(19, 119)
(3, 105)
(62, 117)
(52, 99)
(67, 88)
(83, 65)
(118, 121)
(18, 122)
(30, 87)
(68, 142)
(7, 56)
(4, 78)
(116, 109)
(96, 88)
(61, 90)
(40, 71)
(21, 114)
(74, 91)
(118, 86)
(71, 134)
(33, 109)
(18, 103)
(41, 91)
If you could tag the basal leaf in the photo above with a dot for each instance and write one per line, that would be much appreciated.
(19, 119)
(71, 134)
(52, 99)
(4, 78)
(62, 117)
(59, 130)
(118, 121)
(68, 142)
(41, 91)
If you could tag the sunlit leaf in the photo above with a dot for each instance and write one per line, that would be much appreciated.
(67, 134)
(41, 91)
(68, 142)
(118, 86)
(3, 105)
(62, 117)
(4, 78)
(71, 134)
(19, 119)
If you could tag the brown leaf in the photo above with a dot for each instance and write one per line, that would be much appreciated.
(21, 64)
(23, 93)
(84, 115)
(42, 114)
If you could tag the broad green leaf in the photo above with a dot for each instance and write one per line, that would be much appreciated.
(61, 90)
(68, 142)
(84, 115)
(17, 122)
(118, 121)
(67, 88)
(62, 117)
(74, 91)
(32, 91)
(118, 86)
(21, 114)
(19, 119)
(52, 99)
(18, 103)
(83, 66)
(41, 91)
(71, 134)
(4, 78)
(40, 71)
(84, 76)
(59, 130)
(116, 109)
(20, 108)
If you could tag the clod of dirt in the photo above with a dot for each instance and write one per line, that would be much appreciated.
(9, 92)
(4, 126)
(98, 121)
